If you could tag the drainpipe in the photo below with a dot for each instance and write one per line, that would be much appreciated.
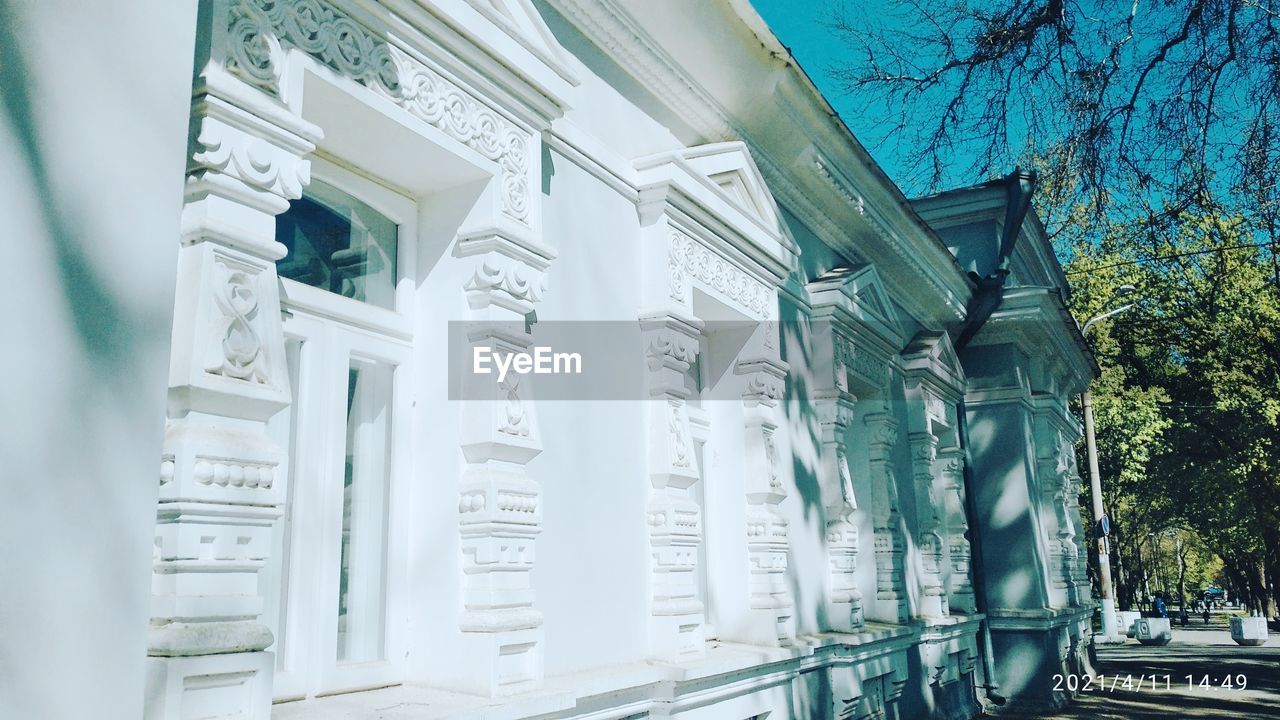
(987, 296)
(989, 293)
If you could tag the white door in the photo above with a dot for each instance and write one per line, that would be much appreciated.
(330, 584)
(333, 581)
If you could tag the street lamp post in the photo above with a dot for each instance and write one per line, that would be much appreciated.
(1110, 629)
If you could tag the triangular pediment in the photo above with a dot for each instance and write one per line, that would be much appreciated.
(934, 352)
(860, 293)
(729, 167)
(872, 297)
(522, 21)
(718, 188)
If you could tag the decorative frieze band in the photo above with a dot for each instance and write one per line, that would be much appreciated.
(690, 260)
(259, 31)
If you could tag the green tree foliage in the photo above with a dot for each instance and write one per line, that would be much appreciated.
(1155, 130)
(1188, 403)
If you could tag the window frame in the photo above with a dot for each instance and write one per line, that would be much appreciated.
(396, 206)
(334, 332)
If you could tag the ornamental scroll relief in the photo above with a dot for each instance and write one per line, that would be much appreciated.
(236, 348)
(260, 30)
(688, 259)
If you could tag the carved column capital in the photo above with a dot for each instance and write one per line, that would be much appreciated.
(766, 380)
(506, 270)
(882, 433)
(670, 347)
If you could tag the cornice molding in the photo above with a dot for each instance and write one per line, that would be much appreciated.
(931, 357)
(628, 44)
(458, 40)
(632, 48)
(670, 184)
(1036, 320)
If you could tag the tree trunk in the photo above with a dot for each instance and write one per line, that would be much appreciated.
(1182, 574)
(1263, 601)
(1124, 583)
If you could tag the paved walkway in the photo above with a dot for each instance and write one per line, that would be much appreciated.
(1198, 651)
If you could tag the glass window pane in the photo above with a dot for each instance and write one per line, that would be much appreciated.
(362, 574)
(339, 244)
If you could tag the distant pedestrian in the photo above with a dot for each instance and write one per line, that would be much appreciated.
(1205, 614)
(1159, 607)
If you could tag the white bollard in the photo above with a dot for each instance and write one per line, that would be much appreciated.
(1112, 632)
(1249, 631)
(1127, 619)
(1153, 631)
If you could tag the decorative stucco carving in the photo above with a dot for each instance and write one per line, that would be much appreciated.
(235, 473)
(236, 347)
(666, 345)
(514, 420)
(511, 276)
(260, 30)
(252, 160)
(688, 259)
(771, 458)
(680, 456)
(167, 469)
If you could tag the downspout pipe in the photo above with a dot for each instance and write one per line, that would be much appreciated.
(1020, 185)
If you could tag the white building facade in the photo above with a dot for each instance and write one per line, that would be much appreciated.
(814, 505)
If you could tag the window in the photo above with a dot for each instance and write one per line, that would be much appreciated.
(332, 579)
(340, 244)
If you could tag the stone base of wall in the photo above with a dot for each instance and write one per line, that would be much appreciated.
(828, 675)
(1033, 649)
(206, 686)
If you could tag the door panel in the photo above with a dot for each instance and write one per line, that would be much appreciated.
(328, 583)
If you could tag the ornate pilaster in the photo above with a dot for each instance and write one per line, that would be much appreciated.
(1068, 510)
(959, 581)
(1080, 574)
(1053, 460)
(934, 383)
(221, 477)
(500, 505)
(891, 593)
(929, 536)
(675, 520)
(770, 603)
(845, 609)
